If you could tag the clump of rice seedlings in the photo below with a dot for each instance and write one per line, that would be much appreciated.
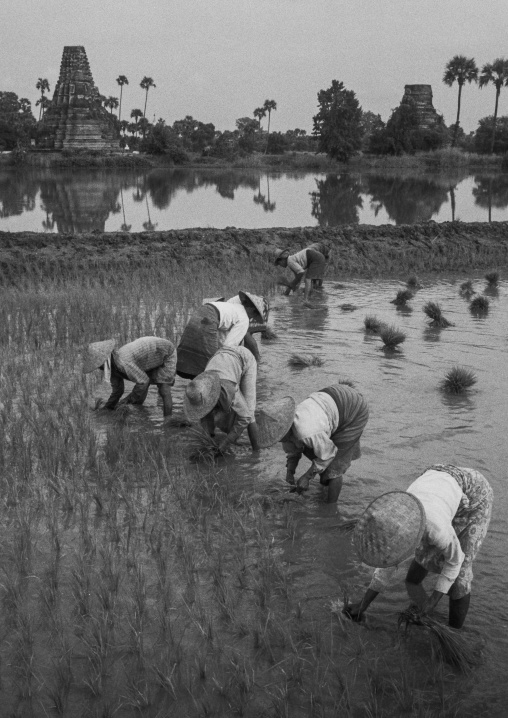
(305, 360)
(339, 286)
(434, 313)
(269, 334)
(205, 448)
(345, 527)
(466, 288)
(458, 380)
(348, 307)
(372, 324)
(177, 422)
(479, 305)
(413, 282)
(453, 647)
(345, 380)
(391, 337)
(402, 298)
(492, 278)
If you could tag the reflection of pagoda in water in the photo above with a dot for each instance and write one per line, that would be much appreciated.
(80, 202)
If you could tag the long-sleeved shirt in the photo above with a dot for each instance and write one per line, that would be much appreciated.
(440, 495)
(238, 366)
(233, 322)
(316, 419)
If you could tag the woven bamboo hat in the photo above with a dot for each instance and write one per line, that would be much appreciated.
(390, 529)
(96, 354)
(275, 421)
(208, 300)
(279, 254)
(201, 395)
(260, 303)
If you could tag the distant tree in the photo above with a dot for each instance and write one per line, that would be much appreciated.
(146, 83)
(259, 112)
(17, 123)
(277, 143)
(121, 80)
(195, 135)
(370, 123)
(483, 135)
(43, 86)
(112, 103)
(136, 114)
(495, 73)
(249, 136)
(337, 124)
(144, 125)
(268, 106)
(124, 126)
(460, 69)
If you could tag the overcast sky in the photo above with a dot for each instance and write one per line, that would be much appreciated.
(218, 60)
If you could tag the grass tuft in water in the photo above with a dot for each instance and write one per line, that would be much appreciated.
(372, 324)
(467, 287)
(492, 278)
(348, 307)
(435, 314)
(413, 282)
(345, 380)
(479, 305)
(457, 380)
(305, 360)
(269, 335)
(392, 337)
(402, 298)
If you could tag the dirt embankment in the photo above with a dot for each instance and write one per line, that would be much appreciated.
(360, 250)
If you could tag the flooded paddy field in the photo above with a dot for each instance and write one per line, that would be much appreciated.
(138, 583)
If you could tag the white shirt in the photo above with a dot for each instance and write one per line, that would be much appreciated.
(298, 262)
(440, 495)
(233, 322)
(316, 419)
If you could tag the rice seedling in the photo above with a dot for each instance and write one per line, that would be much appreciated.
(345, 380)
(402, 298)
(391, 337)
(372, 324)
(269, 334)
(299, 361)
(453, 647)
(479, 305)
(413, 282)
(348, 307)
(458, 380)
(467, 287)
(492, 278)
(435, 314)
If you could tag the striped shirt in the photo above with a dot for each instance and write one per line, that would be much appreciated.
(142, 355)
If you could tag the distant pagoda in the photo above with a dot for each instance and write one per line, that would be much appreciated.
(76, 118)
(421, 97)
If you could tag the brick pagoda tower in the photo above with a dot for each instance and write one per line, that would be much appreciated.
(76, 118)
(421, 95)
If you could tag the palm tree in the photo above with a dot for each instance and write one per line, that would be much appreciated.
(259, 112)
(136, 114)
(460, 69)
(112, 103)
(268, 106)
(497, 74)
(121, 80)
(146, 83)
(43, 86)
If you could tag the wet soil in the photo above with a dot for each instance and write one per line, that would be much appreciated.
(359, 250)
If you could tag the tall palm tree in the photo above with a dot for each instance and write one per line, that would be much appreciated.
(121, 80)
(43, 86)
(112, 103)
(460, 69)
(495, 73)
(146, 83)
(268, 106)
(259, 112)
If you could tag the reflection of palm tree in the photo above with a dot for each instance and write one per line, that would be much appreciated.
(267, 205)
(491, 192)
(125, 227)
(452, 200)
(336, 200)
(149, 226)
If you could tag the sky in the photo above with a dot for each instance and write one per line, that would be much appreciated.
(218, 60)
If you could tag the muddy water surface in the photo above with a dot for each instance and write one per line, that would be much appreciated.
(412, 425)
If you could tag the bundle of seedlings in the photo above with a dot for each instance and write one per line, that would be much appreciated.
(177, 422)
(457, 380)
(466, 288)
(268, 334)
(304, 360)
(413, 282)
(348, 307)
(434, 313)
(205, 447)
(347, 381)
(402, 298)
(345, 527)
(453, 647)
(492, 278)
(479, 305)
(372, 324)
(391, 337)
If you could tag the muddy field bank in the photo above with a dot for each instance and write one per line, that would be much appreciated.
(360, 250)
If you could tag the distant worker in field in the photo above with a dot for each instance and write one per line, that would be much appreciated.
(441, 519)
(216, 324)
(308, 264)
(145, 361)
(326, 429)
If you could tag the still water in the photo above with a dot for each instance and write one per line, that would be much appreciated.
(73, 201)
(412, 425)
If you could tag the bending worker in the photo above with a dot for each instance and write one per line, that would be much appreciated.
(217, 324)
(308, 264)
(224, 396)
(441, 520)
(326, 429)
(145, 361)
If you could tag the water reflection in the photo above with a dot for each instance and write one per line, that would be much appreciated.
(81, 201)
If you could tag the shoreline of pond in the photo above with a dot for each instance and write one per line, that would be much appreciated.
(357, 250)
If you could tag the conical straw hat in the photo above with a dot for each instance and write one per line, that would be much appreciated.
(274, 421)
(96, 354)
(390, 529)
(209, 300)
(279, 253)
(201, 395)
(260, 303)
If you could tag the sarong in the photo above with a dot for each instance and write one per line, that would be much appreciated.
(199, 342)
(471, 523)
(316, 264)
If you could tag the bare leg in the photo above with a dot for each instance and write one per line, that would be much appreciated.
(137, 395)
(167, 400)
(457, 611)
(334, 489)
(414, 578)
(308, 288)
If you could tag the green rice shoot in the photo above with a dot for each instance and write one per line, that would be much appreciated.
(458, 380)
